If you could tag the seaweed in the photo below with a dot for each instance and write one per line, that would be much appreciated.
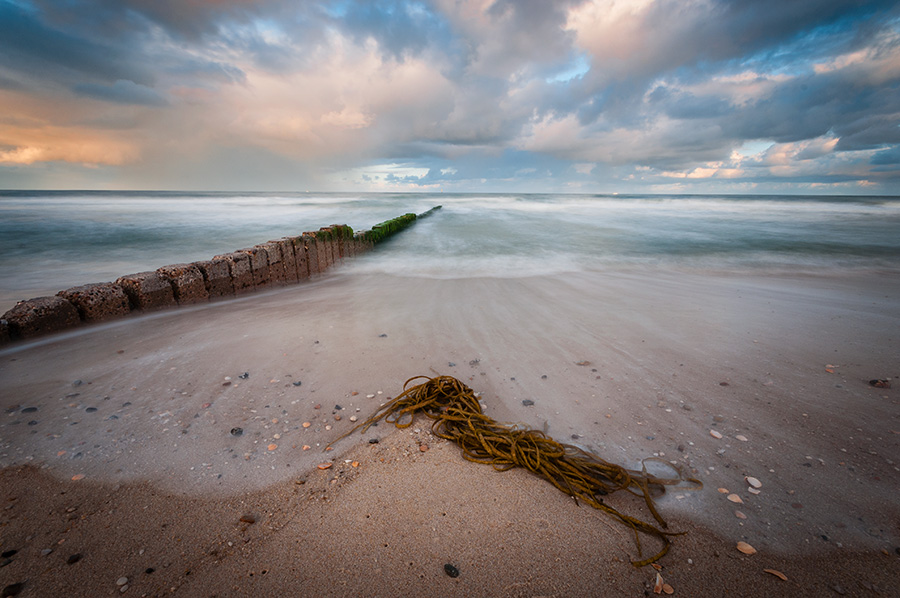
(458, 417)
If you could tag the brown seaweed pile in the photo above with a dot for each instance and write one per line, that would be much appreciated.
(458, 416)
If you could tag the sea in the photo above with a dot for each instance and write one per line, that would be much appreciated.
(53, 240)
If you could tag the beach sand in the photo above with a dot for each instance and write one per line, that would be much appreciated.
(117, 442)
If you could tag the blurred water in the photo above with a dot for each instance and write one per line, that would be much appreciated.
(53, 240)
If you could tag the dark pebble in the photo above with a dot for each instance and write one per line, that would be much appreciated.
(126, 404)
(512, 378)
(149, 570)
(824, 537)
(337, 407)
(33, 422)
(373, 441)
(237, 431)
(13, 589)
(91, 409)
(527, 402)
(113, 417)
(29, 410)
(244, 376)
(72, 395)
(9, 553)
(297, 383)
(723, 384)
(451, 570)
(382, 336)
(544, 377)
(451, 364)
(650, 438)
(248, 519)
(74, 558)
(5, 562)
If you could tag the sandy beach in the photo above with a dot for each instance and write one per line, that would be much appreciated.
(168, 450)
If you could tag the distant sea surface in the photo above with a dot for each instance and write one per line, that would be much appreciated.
(50, 241)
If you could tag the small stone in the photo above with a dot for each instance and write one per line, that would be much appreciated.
(248, 519)
(373, 441)
(306, 424)
(124, 588)
(317, 406)
(382, 335)
(121, 581)
(527, 402)
(77, 476)
(354, 464)
(451, 570)
(370, 396)
(544, 377)
(715, 434)
(46, 551)
(29, 410)
(13, 589)
(324, 465)
(306, 447)
(297, 383)
(244, 376)
(752, 490)
(73, 559)
(337, 407)
(451, 364)
(272, 447)
(423, 447)
(337, 418)
(91, 410)
(237, 431)
(353, 418)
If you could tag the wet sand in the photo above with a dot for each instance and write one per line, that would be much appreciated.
(144, 410)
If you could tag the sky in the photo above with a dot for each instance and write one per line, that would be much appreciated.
(593, 96)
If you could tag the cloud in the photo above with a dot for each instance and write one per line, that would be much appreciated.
(468, 92)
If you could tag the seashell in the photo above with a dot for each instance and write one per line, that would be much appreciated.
(741, 437)
(752, 490)
(739, 515)
(714, 434)
(753, 482)
(746, 548)
(659, 584)
(723, 490)
(777, 574)
(735, 498)
(667, 589)
(324, 465)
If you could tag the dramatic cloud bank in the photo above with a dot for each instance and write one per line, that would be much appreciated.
(457, 95)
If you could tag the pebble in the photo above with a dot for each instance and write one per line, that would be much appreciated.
(451, 570)
(741, 437)
(306, 424)
(353, 418)
(73, 558)
(527, 402)
(451, 364)
(237, 431)
(29, 410)
(715, 434)
(46, 551)
(739, 515)
(337, 407)
(248, 519)
(337, 418)
(121, 581)
(373, 441)
(91, 409)
(423, 447)
(306, 447)
(370, 396)
(244, 376)
(324, 465)
(272, 446)
(124, 588)
(13, 589)
(297, 383)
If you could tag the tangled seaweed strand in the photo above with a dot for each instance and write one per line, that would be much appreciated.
(458, 417)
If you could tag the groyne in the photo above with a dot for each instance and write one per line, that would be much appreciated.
(285, 261)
